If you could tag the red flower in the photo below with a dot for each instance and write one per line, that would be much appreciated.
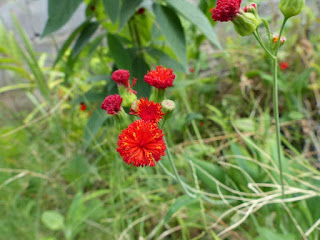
(83, 106)
(121, 77)
(252, 5)
(191, 70)
(148, 110)
(141, 11)
(112, 104)
(284, 65)
(160, 78)
(226, 10)
(141, 144)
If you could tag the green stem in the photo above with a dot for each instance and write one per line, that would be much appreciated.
(257, 36)
(276, 117)
(176, 172)
(276, 105)
(275, 96)
(280, 34)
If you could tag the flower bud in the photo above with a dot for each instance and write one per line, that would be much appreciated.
(168, 106)
(252, 8)
(290, 8)
(246, 23)
(275, 39)
(128, 96)
(112, 105)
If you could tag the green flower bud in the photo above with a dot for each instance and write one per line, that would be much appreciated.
(246, 23)
(128, 96)
(252, 8)
(168, 106)
(290, 8)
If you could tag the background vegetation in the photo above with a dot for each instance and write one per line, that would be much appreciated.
(61, 177)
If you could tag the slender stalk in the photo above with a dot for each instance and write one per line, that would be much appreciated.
(280, 34)
(257, 36)
(176, 172)
(276, 105)
(276, 117)
(275, 96)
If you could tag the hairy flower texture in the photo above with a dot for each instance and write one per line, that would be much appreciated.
(141, 144)
(121, 77)
(226, 10)
(148, 110)
(160, 78)
(112, 104)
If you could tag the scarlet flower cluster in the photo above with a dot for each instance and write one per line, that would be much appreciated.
(161, 78)
(121, 77)
(226, 10)
(148, 110)
(112, 104)
(141, 143)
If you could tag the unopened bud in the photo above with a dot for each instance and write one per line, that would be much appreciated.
(290, 8)
(128, 96)
(246, 23)
(168, 106)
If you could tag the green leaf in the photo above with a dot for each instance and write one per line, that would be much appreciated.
(128, 9)
(30, 57)
(77, 170)
(68, 42)
(84, 38)
(53, 220)
(268, 234)
(172, 29)
(120, 55)
(195, 16)
(96, 194)
(112, 9)
(140, 68)
(97, 78)
(93, 125)
(177, 205)
(245, 124)
(59, 11)
(163, 59)
(207, 169)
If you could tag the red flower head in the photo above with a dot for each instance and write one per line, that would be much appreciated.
(141, 11)
(112, 104)
(252, 5)
(141, 144)
(83, 106)
(148, 110)
(121, 77)
(226, 10)
(160, 78)
(284, 65)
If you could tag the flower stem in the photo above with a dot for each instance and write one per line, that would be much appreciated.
(276, 117)
(275, 96)
(257, 36)
(176, 172)
(276, 105)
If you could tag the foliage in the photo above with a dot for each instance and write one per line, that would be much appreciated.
(61, 178)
